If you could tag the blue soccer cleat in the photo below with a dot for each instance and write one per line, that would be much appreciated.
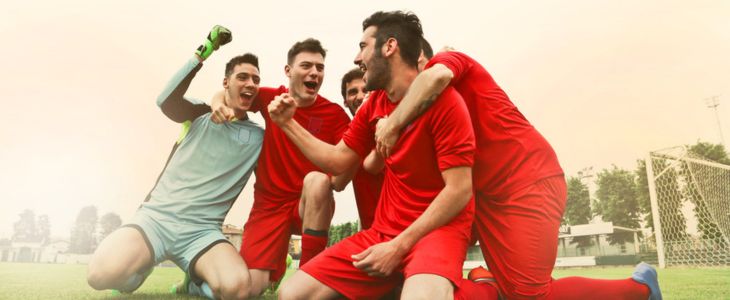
(646, 274)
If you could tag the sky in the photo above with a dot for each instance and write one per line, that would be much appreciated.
(604, 81)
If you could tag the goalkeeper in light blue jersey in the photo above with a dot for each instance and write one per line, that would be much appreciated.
(182, 216)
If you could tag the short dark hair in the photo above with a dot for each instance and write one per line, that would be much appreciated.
(309, 45)
(426, 47)
(247, 58)
(405, 27)
(351, 75)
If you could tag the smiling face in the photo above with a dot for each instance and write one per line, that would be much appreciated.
(242, 86)
(305, 73)
(354, 94)
(371, 61)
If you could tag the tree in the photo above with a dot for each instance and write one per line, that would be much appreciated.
(108, 223)
(341, 231)
(31, 229)
(43, 227)
(24, 230)
(617, 201)
(578, 205)
(578, 209)
(82, 235)
(713, 152)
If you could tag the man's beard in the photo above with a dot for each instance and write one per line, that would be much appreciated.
(379, 73)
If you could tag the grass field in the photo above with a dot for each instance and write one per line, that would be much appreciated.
(49, 281)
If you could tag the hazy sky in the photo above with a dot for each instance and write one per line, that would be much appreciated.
(604, 81)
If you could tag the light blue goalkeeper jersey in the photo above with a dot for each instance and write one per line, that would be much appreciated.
(210, 163)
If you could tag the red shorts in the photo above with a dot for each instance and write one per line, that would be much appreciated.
(266, 235)
(440, 252)
(519, 235)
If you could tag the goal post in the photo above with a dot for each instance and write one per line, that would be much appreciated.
(690, 206)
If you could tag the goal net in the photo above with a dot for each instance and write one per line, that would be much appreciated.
(690, 201)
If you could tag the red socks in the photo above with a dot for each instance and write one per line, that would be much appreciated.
(313, 242)
(596, 289)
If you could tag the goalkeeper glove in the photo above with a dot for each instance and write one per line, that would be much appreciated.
(218, 36)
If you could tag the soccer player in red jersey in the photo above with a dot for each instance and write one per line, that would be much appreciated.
(366, 185)
(519, 186)
(423, 220)
(286, 200)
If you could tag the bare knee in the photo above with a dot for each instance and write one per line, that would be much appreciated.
(232, 287)
(96, 278)
(102, 276)
(118, 257)
(317, 194)
(316, 182)
(428, 293)
(427, 287)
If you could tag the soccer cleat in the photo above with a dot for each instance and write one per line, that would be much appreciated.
(218, 36)
(181, 287)
(646, 274)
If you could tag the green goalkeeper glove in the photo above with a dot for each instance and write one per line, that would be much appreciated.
(218, 36)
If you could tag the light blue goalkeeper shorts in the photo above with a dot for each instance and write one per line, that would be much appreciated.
(180, 242)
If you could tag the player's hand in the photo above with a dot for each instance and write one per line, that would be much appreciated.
(282, 108)
(218, 36)
(220, 112)
(380, 260)
(385, 138)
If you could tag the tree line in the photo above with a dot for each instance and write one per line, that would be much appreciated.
(622, 197)
(88, 229)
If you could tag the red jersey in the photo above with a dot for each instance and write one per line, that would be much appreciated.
(511, 152)
(367, 191)
(440, 139)
(282, 166)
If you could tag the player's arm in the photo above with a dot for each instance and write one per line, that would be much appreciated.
(339, 182)
(381, 259)
(450, 201)
(373, 163)
(424, 90)
(172, 100)
(333, 159)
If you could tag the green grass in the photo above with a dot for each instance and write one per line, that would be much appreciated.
(50, 281)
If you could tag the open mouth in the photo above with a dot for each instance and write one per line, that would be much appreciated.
(247, 95)
(310, 84)
(363, 67)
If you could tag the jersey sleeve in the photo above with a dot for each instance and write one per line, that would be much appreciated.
(456, 61)
(452, 131)
(342, 122)
(360, 135)
(264, 97)
(172, 100)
